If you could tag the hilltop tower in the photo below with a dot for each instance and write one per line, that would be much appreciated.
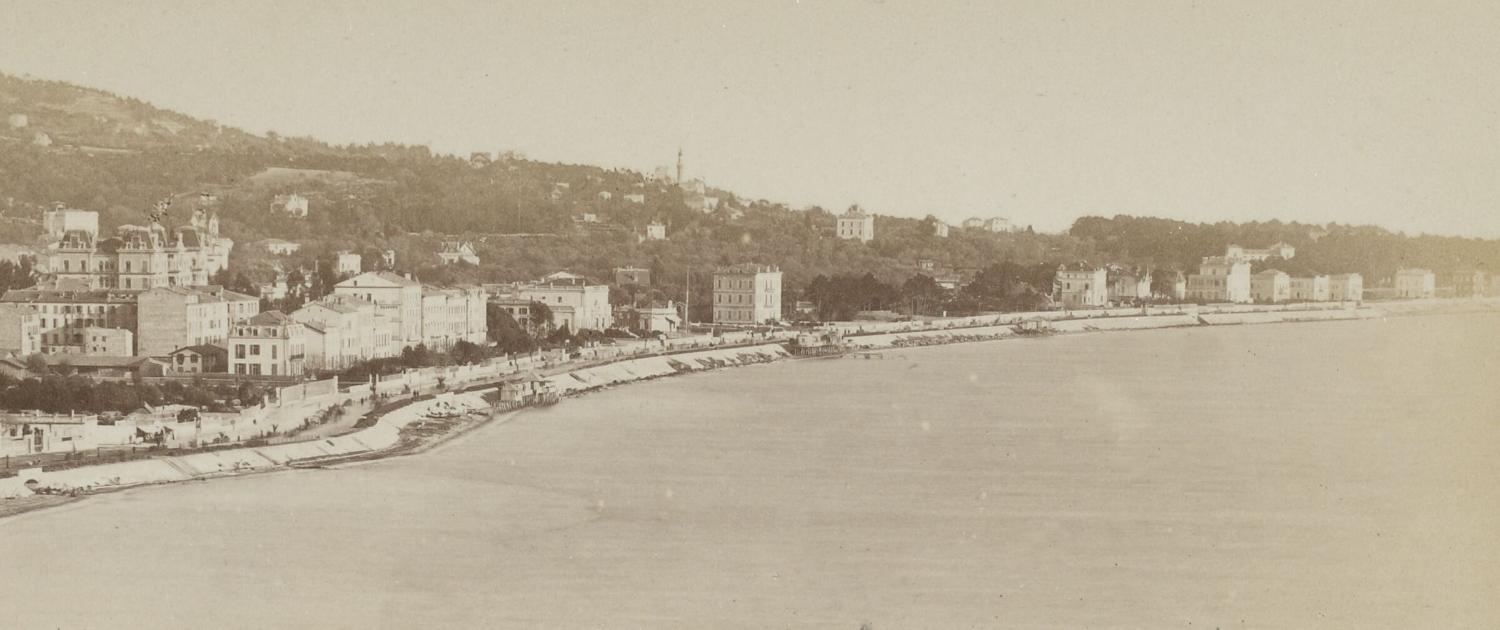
(679, 165)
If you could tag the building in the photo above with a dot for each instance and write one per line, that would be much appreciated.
(458, 251)
(108, 368)
(280, 247)
(347, 263)
(1468, 283)
(1346, 287)
(136, 257)
(20, 329)
(1220, 279)
(269, 344)
(344, 329)
(63, 314)
(625, 276)
(637, 198)
(109, 342)
(1081, 286)
(453, 314)
(388, 258)
(1309, 288)
(573, 300)
(656, 231)
(855, 223)
(398, 298)
(940, 229)
(1415, 283)
(1178, 287)
(1129, 286)
(41, 140)
(658, 318)
(605, 195)
(173, 317)
(1279, 250)
(290, 205)
(992, 224)
(747, 294)
(1271, 287)
(210, 358)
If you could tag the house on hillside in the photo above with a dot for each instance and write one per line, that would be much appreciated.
(458, 251)
(855, 223)
(280, 247)
(290, 205)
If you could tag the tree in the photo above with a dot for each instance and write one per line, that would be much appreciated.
(37, 364)
(506, 332)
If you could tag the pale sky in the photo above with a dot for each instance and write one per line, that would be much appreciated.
(1356, 112)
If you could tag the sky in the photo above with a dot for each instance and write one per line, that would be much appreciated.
(1350, 112)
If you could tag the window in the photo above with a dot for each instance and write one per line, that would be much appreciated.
(239, 351)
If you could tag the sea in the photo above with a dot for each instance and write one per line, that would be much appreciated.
(1317, 475)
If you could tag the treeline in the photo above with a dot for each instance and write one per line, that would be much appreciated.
(61, 393)
(1004, 286)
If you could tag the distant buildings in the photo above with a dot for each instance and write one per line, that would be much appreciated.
(1220, 279)
(940, 229)
(605, 195)
(1346, 287)
(1312, 288)
(747, 294)
(1279, 250)
(62, 314)
(347, 263)
(174, 317)
(1271, 286)
(280, 247)
(632, 275)
(1415, 283)
(345, 329)
(136, 257)
(855, 223)
(20, 329)
(59, 220)
(454, 314)
(17, 121)
(396, 297)
(658, 318)
(656, 231)
(1081, 286)
(1128, 286)
(268, 344)
(458, 251)
(1467, 283)
(291, 205)
(574, 301)
(637, 198)
(992, 224)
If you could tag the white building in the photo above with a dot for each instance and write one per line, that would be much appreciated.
(1415, 283)
(269, 344)
(458, 251)
(573, 300)
(940, 229)
(454, 314)
(18, 121)
(1129, 285)
(398, 298)
(1271, 286)
(344, 329)
(291, 205)
(20, 329)
(59, 220)
(1346, 287)
(1310, 288)
(347, 263)
(136, 257)
(656, 231)
(747, 294)
(1220, 279)
(637, 198)
(1081, 287)
(855, 223)
(280, 247)
(1279, 250)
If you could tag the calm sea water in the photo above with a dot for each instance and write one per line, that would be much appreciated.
(1336, 475)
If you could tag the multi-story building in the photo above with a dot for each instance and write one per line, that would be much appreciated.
(574, 301)
(59, 220)
(1415, 283)
(64, 314)
(269, 344)
(111, 342)
(1312, 288)
(20, 329)
(280, 247)
(656, 231)
(398, 298)
(1271, 286)
(855, 223)
(632, 275)
(992, 224)
(1081, 286)
(454, 314)
(174, 317)
(347, 263)
(1279, 250)
(1346, 287)
(747, 294)
(940, 229)
(458, 251)
(1467, 283)
(1127, 286)
(137, 257)
(1220, 279)
(343, 329)
(291, 205)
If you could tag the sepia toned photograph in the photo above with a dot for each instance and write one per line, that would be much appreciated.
(835, 314)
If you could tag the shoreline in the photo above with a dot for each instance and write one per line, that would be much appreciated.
(399, 438)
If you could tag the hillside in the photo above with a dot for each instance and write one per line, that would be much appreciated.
(119, 156)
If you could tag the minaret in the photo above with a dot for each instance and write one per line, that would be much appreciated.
(679, 165)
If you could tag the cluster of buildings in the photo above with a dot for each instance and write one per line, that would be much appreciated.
(135, 257)
(1227, 278)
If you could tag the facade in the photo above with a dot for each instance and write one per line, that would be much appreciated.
(992, 224)
(398, 298)
(632, 275)
(1220, 279)
(1279, 250)
(137, 257)
(574, 301)
(174, 317)
(656, 231)
(20, 329)
(280, 247)
(108, 342)
(1346, 287)
(856, 224)
(1415, 283)
(59, 220)
(1310, 288)
(269, 344)
(343, 329)
(451, 315)
(1270, 287)
(747, 294)
(1127, 286)
(636, 198)
(1081, 287)
(658, 319)
(201, 359)
(290, 205)
(347, 263)
(64, 314)
(455, 252)
(940, 229)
